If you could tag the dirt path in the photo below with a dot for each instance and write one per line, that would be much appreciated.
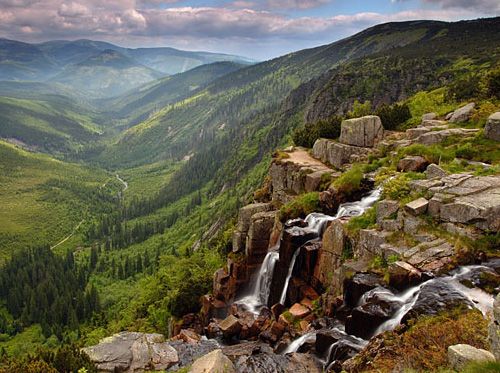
(69, 236)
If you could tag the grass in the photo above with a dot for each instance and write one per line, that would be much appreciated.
(364, 221)
(300, 206)
(423, 347)
(350, 181)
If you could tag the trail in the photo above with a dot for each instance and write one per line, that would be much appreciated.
(69, 236)
(125, 184)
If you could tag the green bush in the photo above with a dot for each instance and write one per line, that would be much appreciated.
(433, 154)
(350, 181)
(308, 134)
(493, 83)
(360, 109)
(301, 206)
(393, 116)
(364, 221)
(464, 88)
(397, 188)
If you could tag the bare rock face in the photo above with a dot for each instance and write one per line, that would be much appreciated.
(363, 132)
(214, 362)
(132, 352)
(492, 128)
(435, 137)
(462, 354)
(462, 114)
(244, 220)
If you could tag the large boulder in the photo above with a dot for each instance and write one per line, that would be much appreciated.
(244, 220)
(214, 362)
(230, 326)
(338, 154)
(417, 206)
(363, 132)
(462, 114)
(258, 236)
(414, 163)
(492, 128)
(462, 354)
(130, 352)
(433, 171)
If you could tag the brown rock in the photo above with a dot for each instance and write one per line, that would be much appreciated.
(413, 164)
(300, 311)
(230, 326)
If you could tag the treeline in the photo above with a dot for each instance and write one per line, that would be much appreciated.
(38, 286)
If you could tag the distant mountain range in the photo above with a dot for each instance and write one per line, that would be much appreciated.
(98, 68)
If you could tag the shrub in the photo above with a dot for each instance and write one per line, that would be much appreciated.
(325, 128)
(301, 206)
(493, 83)
(393, 116)
(433, 154)
(360, 109)
(364, 221)
(464, 88)
(397, 188)
(350, 181)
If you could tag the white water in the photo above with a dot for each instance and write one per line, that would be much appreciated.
(295, 345)
(317, 222)
(260, 291)
(481, 300)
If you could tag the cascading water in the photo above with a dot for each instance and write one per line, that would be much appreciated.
(316, 223)
(295, 345)
(259, 293)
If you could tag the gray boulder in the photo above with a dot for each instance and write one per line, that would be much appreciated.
(414, 163)
(364, 132)
(492, 128)
(429, 116)
(462, 354)
(338, 154)
(433, 171)
(418, 206)
(130, 352)
(494, 329)
(435, 137)
(462, 114)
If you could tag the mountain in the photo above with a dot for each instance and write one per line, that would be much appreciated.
(24, 61)
(135, 105)
(108, 73)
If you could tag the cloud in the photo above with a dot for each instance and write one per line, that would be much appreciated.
(487, 6)
(296, 4)
(230, 28)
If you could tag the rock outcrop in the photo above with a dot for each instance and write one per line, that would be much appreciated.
(132, 352)
(337, 154)
(462, 114)
(492, 128)
(214, 362)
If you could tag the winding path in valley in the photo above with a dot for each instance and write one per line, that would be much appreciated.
(125, 187)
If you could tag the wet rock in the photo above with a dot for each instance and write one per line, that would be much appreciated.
(436, 296)
(494, 329)
(429, 116)
(230, 326)
(412, 164)
(403, 275)
(417, 207)
(335, 345)
(363, 132)
(462, 114)
(492, 128)
(277, 310)
(377, 306)
(299, 311)
(462, 354)
(274, 333)
(386, 209)
(130, 351)
(360, 283)
(433, 171)
(214, 362)
(267, 361)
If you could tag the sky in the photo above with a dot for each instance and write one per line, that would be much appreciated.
(259, 29)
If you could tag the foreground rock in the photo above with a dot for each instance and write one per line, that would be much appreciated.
(214, 362)
(460, 355)
(494, 329)
(131, 352)
(462, 114)
(492, 128)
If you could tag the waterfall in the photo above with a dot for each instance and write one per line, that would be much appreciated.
(316, 223)
(295, 345)
(259, 293)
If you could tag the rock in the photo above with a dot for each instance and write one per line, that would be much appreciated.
(429, 116)
(436, 296)
(188, 336)
(274, 333)
(359, 284)
(414, 133)
(492, 128)
(337, 154)
(385, 209)
(462, 114)
(462, 354)
(402, 275)
(431, 256)
(494, 329)
(277, 310)
(300, 311)
(412, 164)
(267, 361)
(363, 132)
(345, 346)
(130, 352)
(369, 243)
(258, 236)
(433, 171)
(432, 124)
(230, 326)
(244, 220)
(417, 207)
(436, 137)
(214, 362)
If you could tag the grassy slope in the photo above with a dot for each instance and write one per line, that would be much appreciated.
(34, 209)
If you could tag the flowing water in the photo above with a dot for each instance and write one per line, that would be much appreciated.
(295, 345)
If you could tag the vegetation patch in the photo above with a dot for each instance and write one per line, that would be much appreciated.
(300, 206)
(350, 181)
